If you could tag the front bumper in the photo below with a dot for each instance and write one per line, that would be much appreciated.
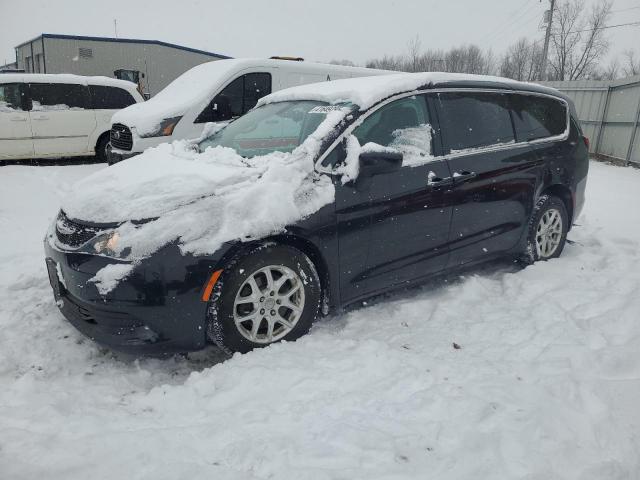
(157, 310)
(116, 156)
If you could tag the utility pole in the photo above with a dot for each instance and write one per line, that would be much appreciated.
(115, 27)
(545, 50)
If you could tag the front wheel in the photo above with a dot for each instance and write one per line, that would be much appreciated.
(273, 293)
(102, 148)
(547, 229)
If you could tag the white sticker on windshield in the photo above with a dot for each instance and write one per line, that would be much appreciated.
(325, 109)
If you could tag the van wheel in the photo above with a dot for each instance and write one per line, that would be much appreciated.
(102, 148)
(271, 294)
(548, 229)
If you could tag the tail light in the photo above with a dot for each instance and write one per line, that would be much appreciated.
(586, 141)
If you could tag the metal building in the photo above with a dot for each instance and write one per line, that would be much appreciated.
(151, 64)
(609, 111)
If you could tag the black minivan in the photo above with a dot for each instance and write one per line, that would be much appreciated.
(420, 174)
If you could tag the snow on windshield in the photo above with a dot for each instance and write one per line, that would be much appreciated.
(201, 199)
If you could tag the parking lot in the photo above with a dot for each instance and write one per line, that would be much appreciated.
(505, 371)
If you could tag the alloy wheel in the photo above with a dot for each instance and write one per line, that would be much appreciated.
(548, 233)
(268, 304)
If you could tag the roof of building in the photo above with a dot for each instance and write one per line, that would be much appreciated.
(123, 40)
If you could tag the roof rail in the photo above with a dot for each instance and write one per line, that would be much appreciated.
(293, 59)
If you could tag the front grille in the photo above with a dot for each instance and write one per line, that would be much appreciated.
(72, 234)
(121, 137)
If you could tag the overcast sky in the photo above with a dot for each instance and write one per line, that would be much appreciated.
(316, 30)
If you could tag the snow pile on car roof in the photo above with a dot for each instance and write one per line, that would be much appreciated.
(203, 199)
(192, 87)
(366, 91)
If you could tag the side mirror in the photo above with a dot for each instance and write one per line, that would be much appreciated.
(379, 162)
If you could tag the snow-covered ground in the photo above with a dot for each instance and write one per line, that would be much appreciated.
(545, 384)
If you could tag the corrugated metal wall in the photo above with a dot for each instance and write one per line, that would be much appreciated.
(159, 63)
(609, 112)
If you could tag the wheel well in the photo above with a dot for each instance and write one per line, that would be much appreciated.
(312, 252)
(301, 244)
(101, 136)
(564, 194)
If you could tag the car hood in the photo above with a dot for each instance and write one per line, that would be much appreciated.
(199, 200)
(156, 182)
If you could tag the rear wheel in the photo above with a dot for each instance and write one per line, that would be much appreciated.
(548, 229)
(273, 293)
(102, 147)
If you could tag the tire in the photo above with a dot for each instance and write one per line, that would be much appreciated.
(265, 320)
(101, 148)
(547, 231)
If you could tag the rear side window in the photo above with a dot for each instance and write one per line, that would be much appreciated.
(109, 98)
(10, 97)
(58, 96)
(537, 117)
(474, 120)
(237, 98)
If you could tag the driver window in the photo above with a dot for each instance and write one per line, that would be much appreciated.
(403, 124)
(226, 105)
(237, 98)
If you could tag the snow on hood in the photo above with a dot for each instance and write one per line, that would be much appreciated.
(192, 87)
(366, 91)
(203, 199)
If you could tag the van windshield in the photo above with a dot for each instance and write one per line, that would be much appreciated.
(275, 127)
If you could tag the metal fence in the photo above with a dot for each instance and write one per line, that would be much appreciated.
(609, 112)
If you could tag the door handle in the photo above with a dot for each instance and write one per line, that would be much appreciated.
(18, 119)
(434, 181)
(43, 117)
(464, 176)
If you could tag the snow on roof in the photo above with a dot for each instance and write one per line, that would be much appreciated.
(66, 78)
(197, 86)
(366, 91)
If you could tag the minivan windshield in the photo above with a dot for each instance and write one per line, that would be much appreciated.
(275, 127)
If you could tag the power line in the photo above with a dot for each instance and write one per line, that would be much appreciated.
(516, 22)
(608, 26)
(634, 24)
(625, 9)
(523, 10)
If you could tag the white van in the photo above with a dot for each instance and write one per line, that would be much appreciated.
(59, 115)
(217, 92)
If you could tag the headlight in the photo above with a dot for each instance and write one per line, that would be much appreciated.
(107, 243)
(165, 129)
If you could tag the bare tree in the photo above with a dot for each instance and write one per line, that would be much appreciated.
(465, 59)
(344, 61)
(522, 61)
(632, 65)
(414, 47)
(578, 40)
(612, 70)
(388, 62)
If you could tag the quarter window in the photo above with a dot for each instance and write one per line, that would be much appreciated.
(537, 117)
(10, 97)
(237, 98)
(474, 120)
(58, 96)
(109, 98)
